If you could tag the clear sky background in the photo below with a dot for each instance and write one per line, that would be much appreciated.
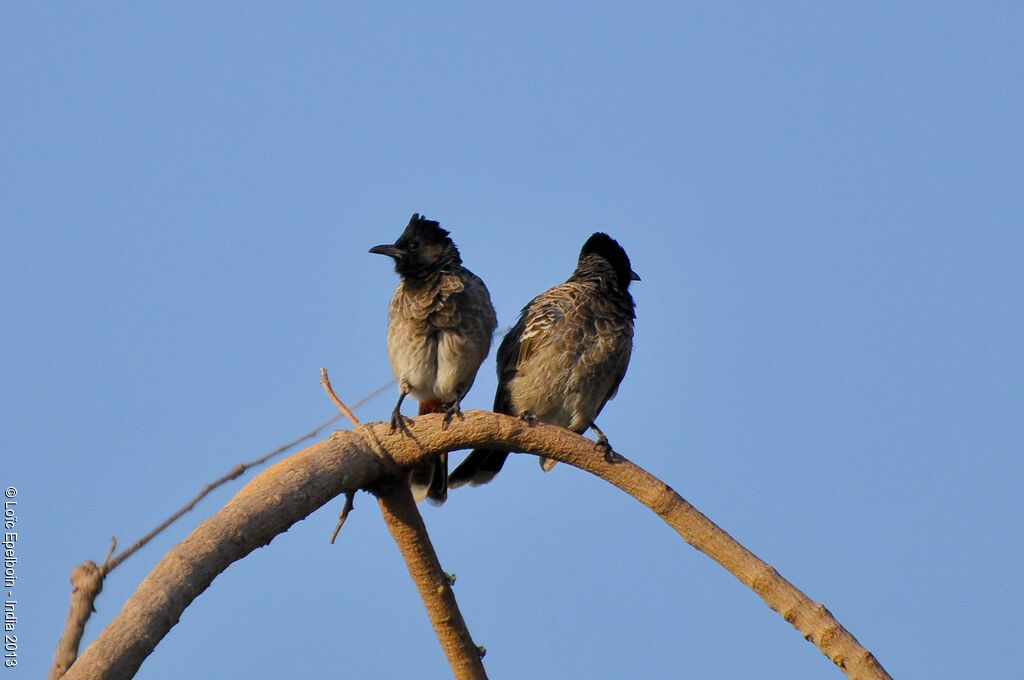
(825, 205)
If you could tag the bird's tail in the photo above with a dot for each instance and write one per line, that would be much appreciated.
(430, 479)
(478, 468)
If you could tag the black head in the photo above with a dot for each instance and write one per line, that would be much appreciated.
(422, 249)
(604, 246)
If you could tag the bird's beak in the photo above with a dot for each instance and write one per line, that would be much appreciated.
(389, 250)
(633, 276)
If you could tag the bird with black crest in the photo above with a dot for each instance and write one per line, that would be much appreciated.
(440, 325)
(565, 357)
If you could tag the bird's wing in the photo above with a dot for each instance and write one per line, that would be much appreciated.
(544, 317)
(443, 305)
(508, 358)
(615, 384)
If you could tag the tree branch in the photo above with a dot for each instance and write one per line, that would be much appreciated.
(74, 625)
(435, 586)
(406, 526)
(86, 584)
(295, 487)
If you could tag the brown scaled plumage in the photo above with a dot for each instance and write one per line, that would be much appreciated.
(567, 354)
(440, 324)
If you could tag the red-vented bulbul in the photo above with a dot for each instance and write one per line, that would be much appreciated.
(440, 324)
(567, 354)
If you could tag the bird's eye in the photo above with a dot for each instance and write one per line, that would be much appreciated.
(413, 245)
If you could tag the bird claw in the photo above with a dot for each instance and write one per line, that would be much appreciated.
(450, 412)
(399, 422)
(529, 418)
(609, 453)
(602, 443)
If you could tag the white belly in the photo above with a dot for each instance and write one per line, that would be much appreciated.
(425, 372)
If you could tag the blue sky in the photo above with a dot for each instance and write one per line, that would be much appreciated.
(824, 204)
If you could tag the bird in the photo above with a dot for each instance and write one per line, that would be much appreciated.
(440, 325)
(566, 355)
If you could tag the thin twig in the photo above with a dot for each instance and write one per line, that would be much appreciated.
(367, 433)
(110, 551)
(344, 514)
(325, 382)
(234, 473)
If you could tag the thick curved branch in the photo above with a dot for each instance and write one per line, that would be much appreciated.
(345, 462)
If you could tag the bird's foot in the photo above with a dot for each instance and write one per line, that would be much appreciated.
(450, 411)
(609, 453)
(399, 422)
(529, 418)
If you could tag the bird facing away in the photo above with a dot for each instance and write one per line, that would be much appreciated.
(567, 354)
(440, 324)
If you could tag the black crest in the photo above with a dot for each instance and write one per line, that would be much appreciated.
(423, 231)
(607, 248)
(423, 249)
